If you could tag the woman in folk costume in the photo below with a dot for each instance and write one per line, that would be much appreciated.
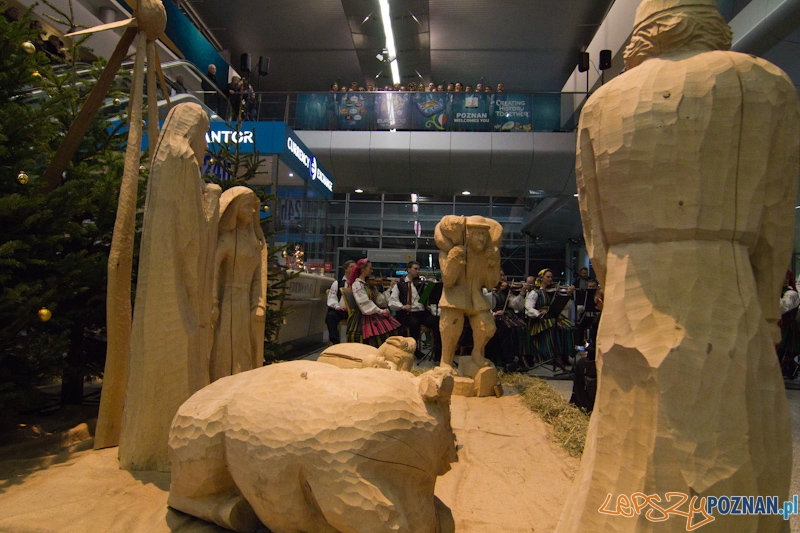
(552, 337)
(372, 323)
(789, 346)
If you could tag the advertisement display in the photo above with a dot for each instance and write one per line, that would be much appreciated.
(470, 112)
(511, 112)
(392, 111)
(430, 112)
(354, 111)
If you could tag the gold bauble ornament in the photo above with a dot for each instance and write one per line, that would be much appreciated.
(36, 74)
(44, 314)
(212, 161)
(28, 47)
(142, 168)
(117, 101)
(144, 124)
(22, 178)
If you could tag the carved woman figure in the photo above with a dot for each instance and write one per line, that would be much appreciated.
(171, 339)
(240, 286)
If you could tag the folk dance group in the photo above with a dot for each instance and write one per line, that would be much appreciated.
(522, 337)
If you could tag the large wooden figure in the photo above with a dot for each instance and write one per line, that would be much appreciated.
(171, 339)
(470, 260)
(687, 174)
(240, 286)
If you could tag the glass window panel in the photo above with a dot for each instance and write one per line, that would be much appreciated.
(434, 212)
(404, 211)
(461, 199)
(401, 228)
(470, 210)
(397, 197)
(365, 210)
(336, 207)
(509, 200)
(428, 259)
(363, 241)
(364, 197)
(511, 213)
(436, 199)
(398, 243)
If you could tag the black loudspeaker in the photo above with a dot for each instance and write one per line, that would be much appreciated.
(263, 66)
(244, 63)
(583, 65)
(605, 59)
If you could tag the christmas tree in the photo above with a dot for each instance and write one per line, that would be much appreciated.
(54, 245)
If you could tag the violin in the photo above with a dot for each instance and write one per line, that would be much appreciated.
(380, 282)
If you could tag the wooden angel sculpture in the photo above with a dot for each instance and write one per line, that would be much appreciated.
(470, 261)
(687, 172)
(240, 286)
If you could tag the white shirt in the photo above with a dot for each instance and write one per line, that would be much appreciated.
(394, 297)
(333, 301)
(789, 301)
(365, 304)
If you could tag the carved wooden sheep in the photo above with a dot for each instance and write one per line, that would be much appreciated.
(305, 446)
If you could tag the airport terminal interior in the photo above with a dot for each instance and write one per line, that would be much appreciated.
(364, 131)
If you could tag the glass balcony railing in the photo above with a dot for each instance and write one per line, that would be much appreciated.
(412, 111)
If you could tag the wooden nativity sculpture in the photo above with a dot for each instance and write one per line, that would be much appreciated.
(306, 446)
(239, 291)
(148, 23)
(687, 170)
(172, 329)
(470, 260)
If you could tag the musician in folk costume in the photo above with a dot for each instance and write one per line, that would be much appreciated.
(552, 337)
(404, 301)
(372, 323)
(789, 347)
(337, 311)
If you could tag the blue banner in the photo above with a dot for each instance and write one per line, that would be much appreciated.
(470, 112)
(511, 112)
(431, 111)
(316, 111)
(354, 111)
(546, 112)
(392, 111)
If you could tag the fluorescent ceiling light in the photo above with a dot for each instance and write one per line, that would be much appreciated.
(575, 195)
(291, 174)
(359, 191)
(466, 193)
(387, 31)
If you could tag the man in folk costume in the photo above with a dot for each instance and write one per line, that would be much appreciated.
(404, 301)
(337, 310)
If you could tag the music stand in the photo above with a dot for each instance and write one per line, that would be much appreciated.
(558, 305)
(585, 298)
(553, 312)
(431, 293)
